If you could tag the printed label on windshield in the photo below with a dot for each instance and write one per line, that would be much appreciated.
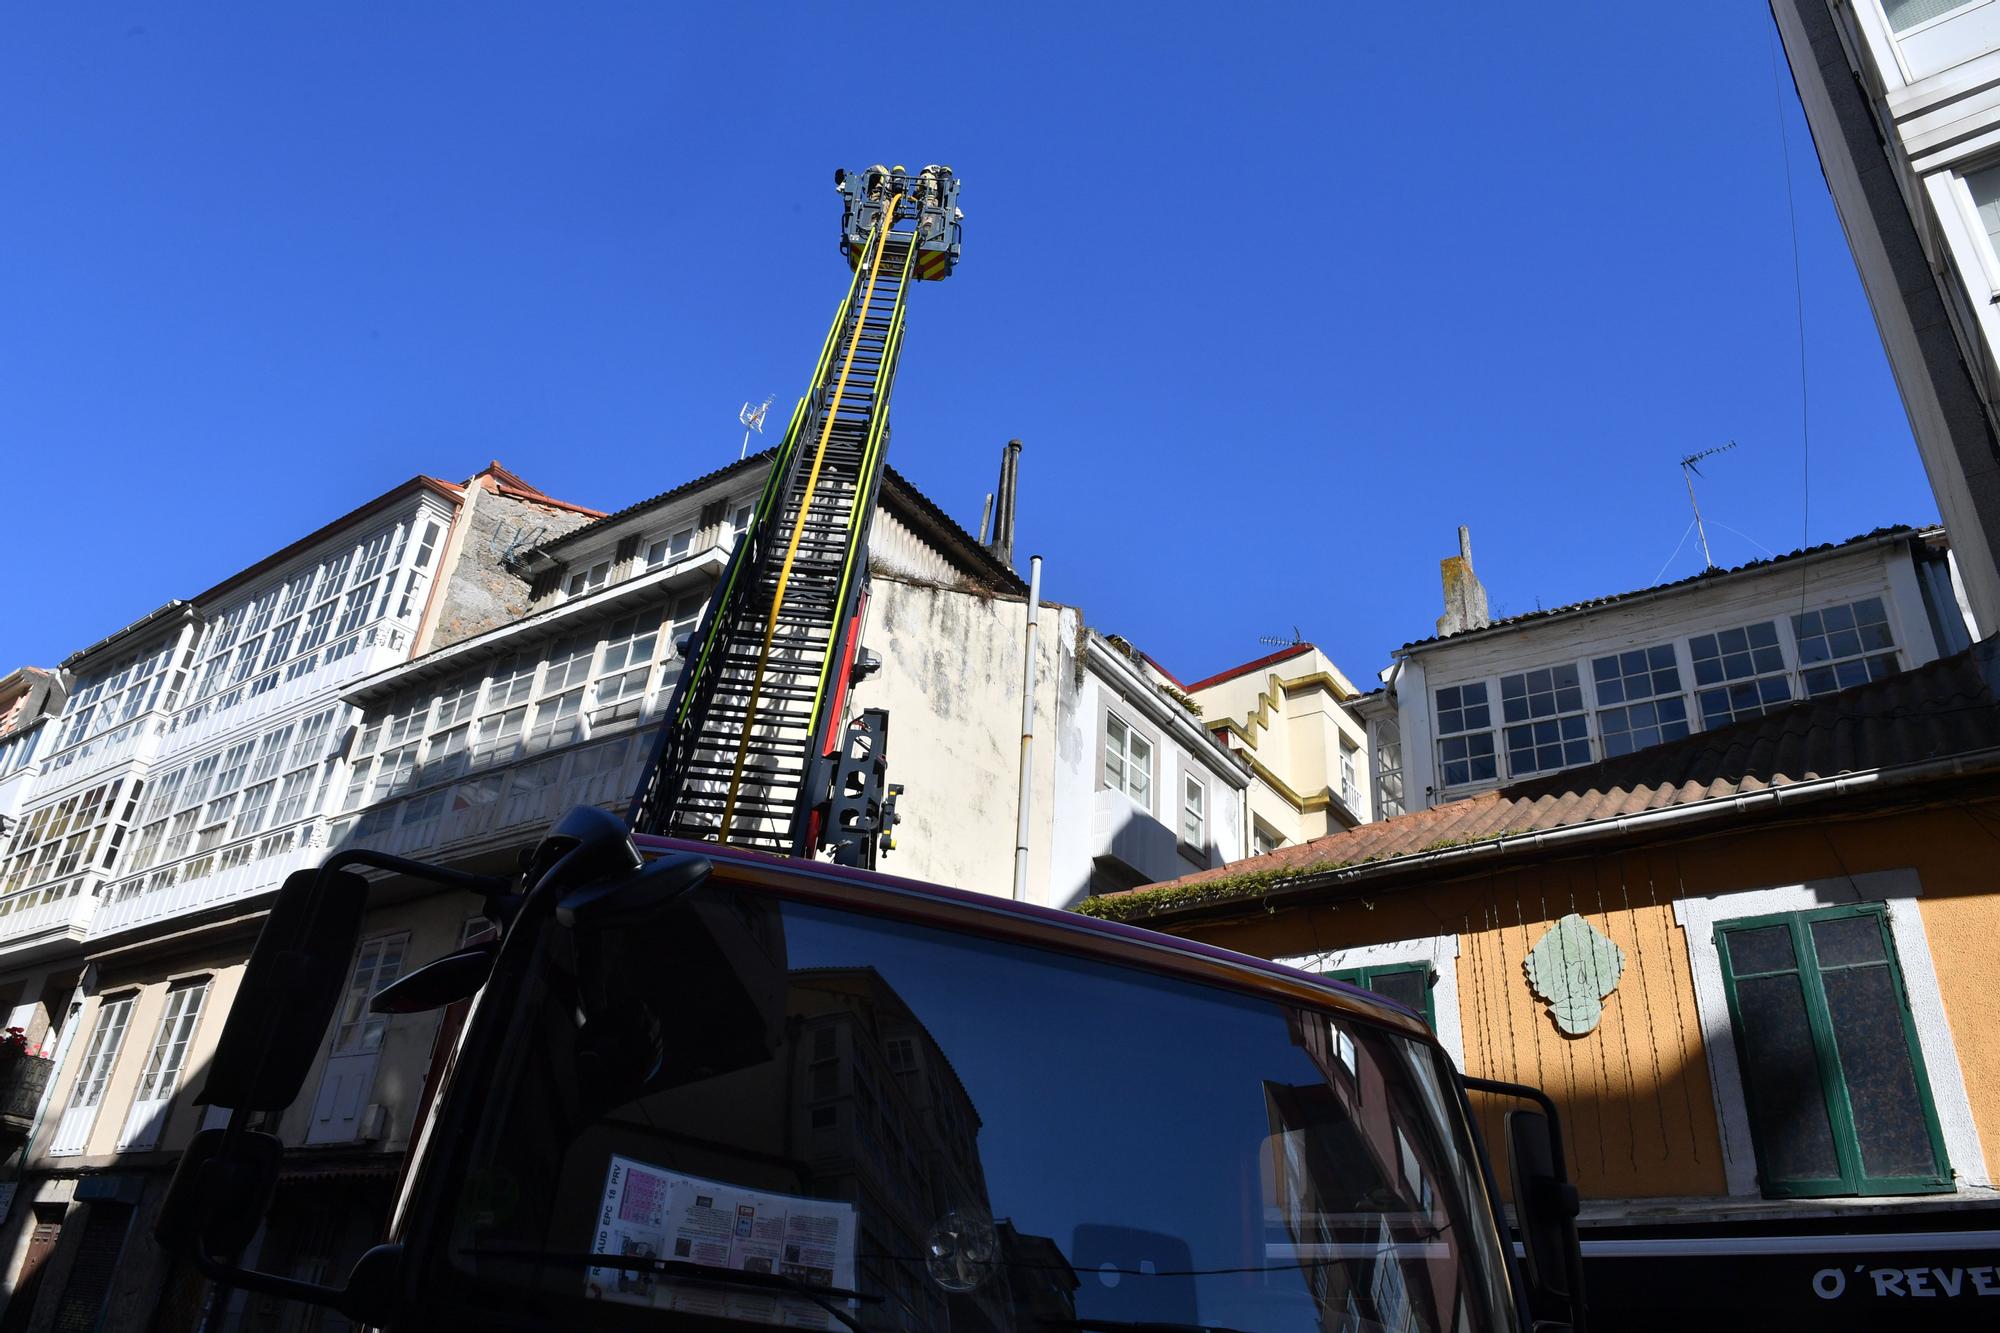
(650, 1212)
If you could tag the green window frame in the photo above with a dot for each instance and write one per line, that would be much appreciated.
(1366, 978)
(1825, 990)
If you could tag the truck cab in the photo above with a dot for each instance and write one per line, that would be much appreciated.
(693, 1087)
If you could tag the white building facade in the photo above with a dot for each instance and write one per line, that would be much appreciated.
(1903, 97)
(1540, 693)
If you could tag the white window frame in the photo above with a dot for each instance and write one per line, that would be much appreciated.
(1531, 721)
(1899, 890)
(1125, 763)
(93, 1075)
(166, 1061)
(1439, 952)
(1194, 811)
(1491, 703)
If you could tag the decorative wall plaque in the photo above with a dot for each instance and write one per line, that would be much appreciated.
(1573, 967)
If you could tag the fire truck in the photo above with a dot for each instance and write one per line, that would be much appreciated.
(713, 1070)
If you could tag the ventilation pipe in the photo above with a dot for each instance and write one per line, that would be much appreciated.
(1002, 544)
(1027, 724)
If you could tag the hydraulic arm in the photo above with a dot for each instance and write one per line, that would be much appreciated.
(750, 749)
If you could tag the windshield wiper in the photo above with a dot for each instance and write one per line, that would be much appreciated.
(682, 1270)
(1127, 1325)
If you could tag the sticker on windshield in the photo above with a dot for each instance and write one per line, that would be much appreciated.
(685, 1224)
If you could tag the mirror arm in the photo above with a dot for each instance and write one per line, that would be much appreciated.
(1573, 1260)
(484, 885)
(1527, 1093)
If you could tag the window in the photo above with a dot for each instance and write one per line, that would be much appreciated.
(292, 798)
(513, 681)
(1408, 984)
(1263, 839)
(1350, 789)
(1465, 737)
(1388, 769)
(1738, 673)
(1844, 646)
(670, 549)
(1904, 15)
(589, 580)
(354, 611)
(98, 1060)
(555, 720)
(271, 754)
(164, 1063)
(373, 556)
(448, 753)
(569, 664)
(1194, 812)
(255, 802)
(1546, 727)
(1643, 687)
(310, 747)
(1128, 761)
(498, 737)
(1838, 1100)
(379, 962)
(457, 703)
(199, 774)
(234, 764)
(395, 771)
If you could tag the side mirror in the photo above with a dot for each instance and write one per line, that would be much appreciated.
(1545, 1204)
(291, 987)
(442, 981)
(217, 1200)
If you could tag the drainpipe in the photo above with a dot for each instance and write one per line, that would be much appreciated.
(1027, 730)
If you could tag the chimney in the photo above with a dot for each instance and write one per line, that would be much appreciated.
(1002, 545)
(1464, 594)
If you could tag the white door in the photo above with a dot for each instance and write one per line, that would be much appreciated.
(73, 1130)
(357, 1044)
(164, 1063)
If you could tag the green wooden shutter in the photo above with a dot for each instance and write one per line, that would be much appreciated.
(1834, 1078)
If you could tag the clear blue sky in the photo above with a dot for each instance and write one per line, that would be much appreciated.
(1275, 301)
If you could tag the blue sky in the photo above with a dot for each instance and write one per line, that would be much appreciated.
(1274, 301)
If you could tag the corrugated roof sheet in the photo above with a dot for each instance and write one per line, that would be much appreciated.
(1950, 707)
(1706, 576)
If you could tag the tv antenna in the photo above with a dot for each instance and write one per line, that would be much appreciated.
(1279, 641)
(752, 419)
(1688, 473)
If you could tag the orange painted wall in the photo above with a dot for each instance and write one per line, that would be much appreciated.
(1638, 1106)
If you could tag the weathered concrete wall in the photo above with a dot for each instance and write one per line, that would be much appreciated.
(479, 590)
(951, 680)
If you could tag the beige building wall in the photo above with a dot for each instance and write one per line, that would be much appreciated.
(1289, 721)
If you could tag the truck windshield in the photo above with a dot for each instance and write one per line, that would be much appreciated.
(743, 1112)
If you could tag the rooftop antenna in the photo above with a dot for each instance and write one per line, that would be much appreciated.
(1688, 473)
(1278, 641)
(752, 419)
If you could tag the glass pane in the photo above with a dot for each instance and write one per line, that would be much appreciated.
(1875, 1063)
(1408, 988)
(1781, 1073)
(1767, 949)
(1907, 14)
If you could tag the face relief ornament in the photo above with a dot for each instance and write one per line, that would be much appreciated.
(1573, 966)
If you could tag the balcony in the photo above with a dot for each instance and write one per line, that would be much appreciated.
(45, 919)
(1122, 832)
(228, 874)
(512, 804)
(22, 1080)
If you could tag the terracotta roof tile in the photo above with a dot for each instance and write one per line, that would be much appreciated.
(1949, 707)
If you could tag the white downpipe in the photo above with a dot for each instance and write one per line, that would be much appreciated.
(1027, 730)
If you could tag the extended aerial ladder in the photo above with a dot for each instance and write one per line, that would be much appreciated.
(751, 750)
